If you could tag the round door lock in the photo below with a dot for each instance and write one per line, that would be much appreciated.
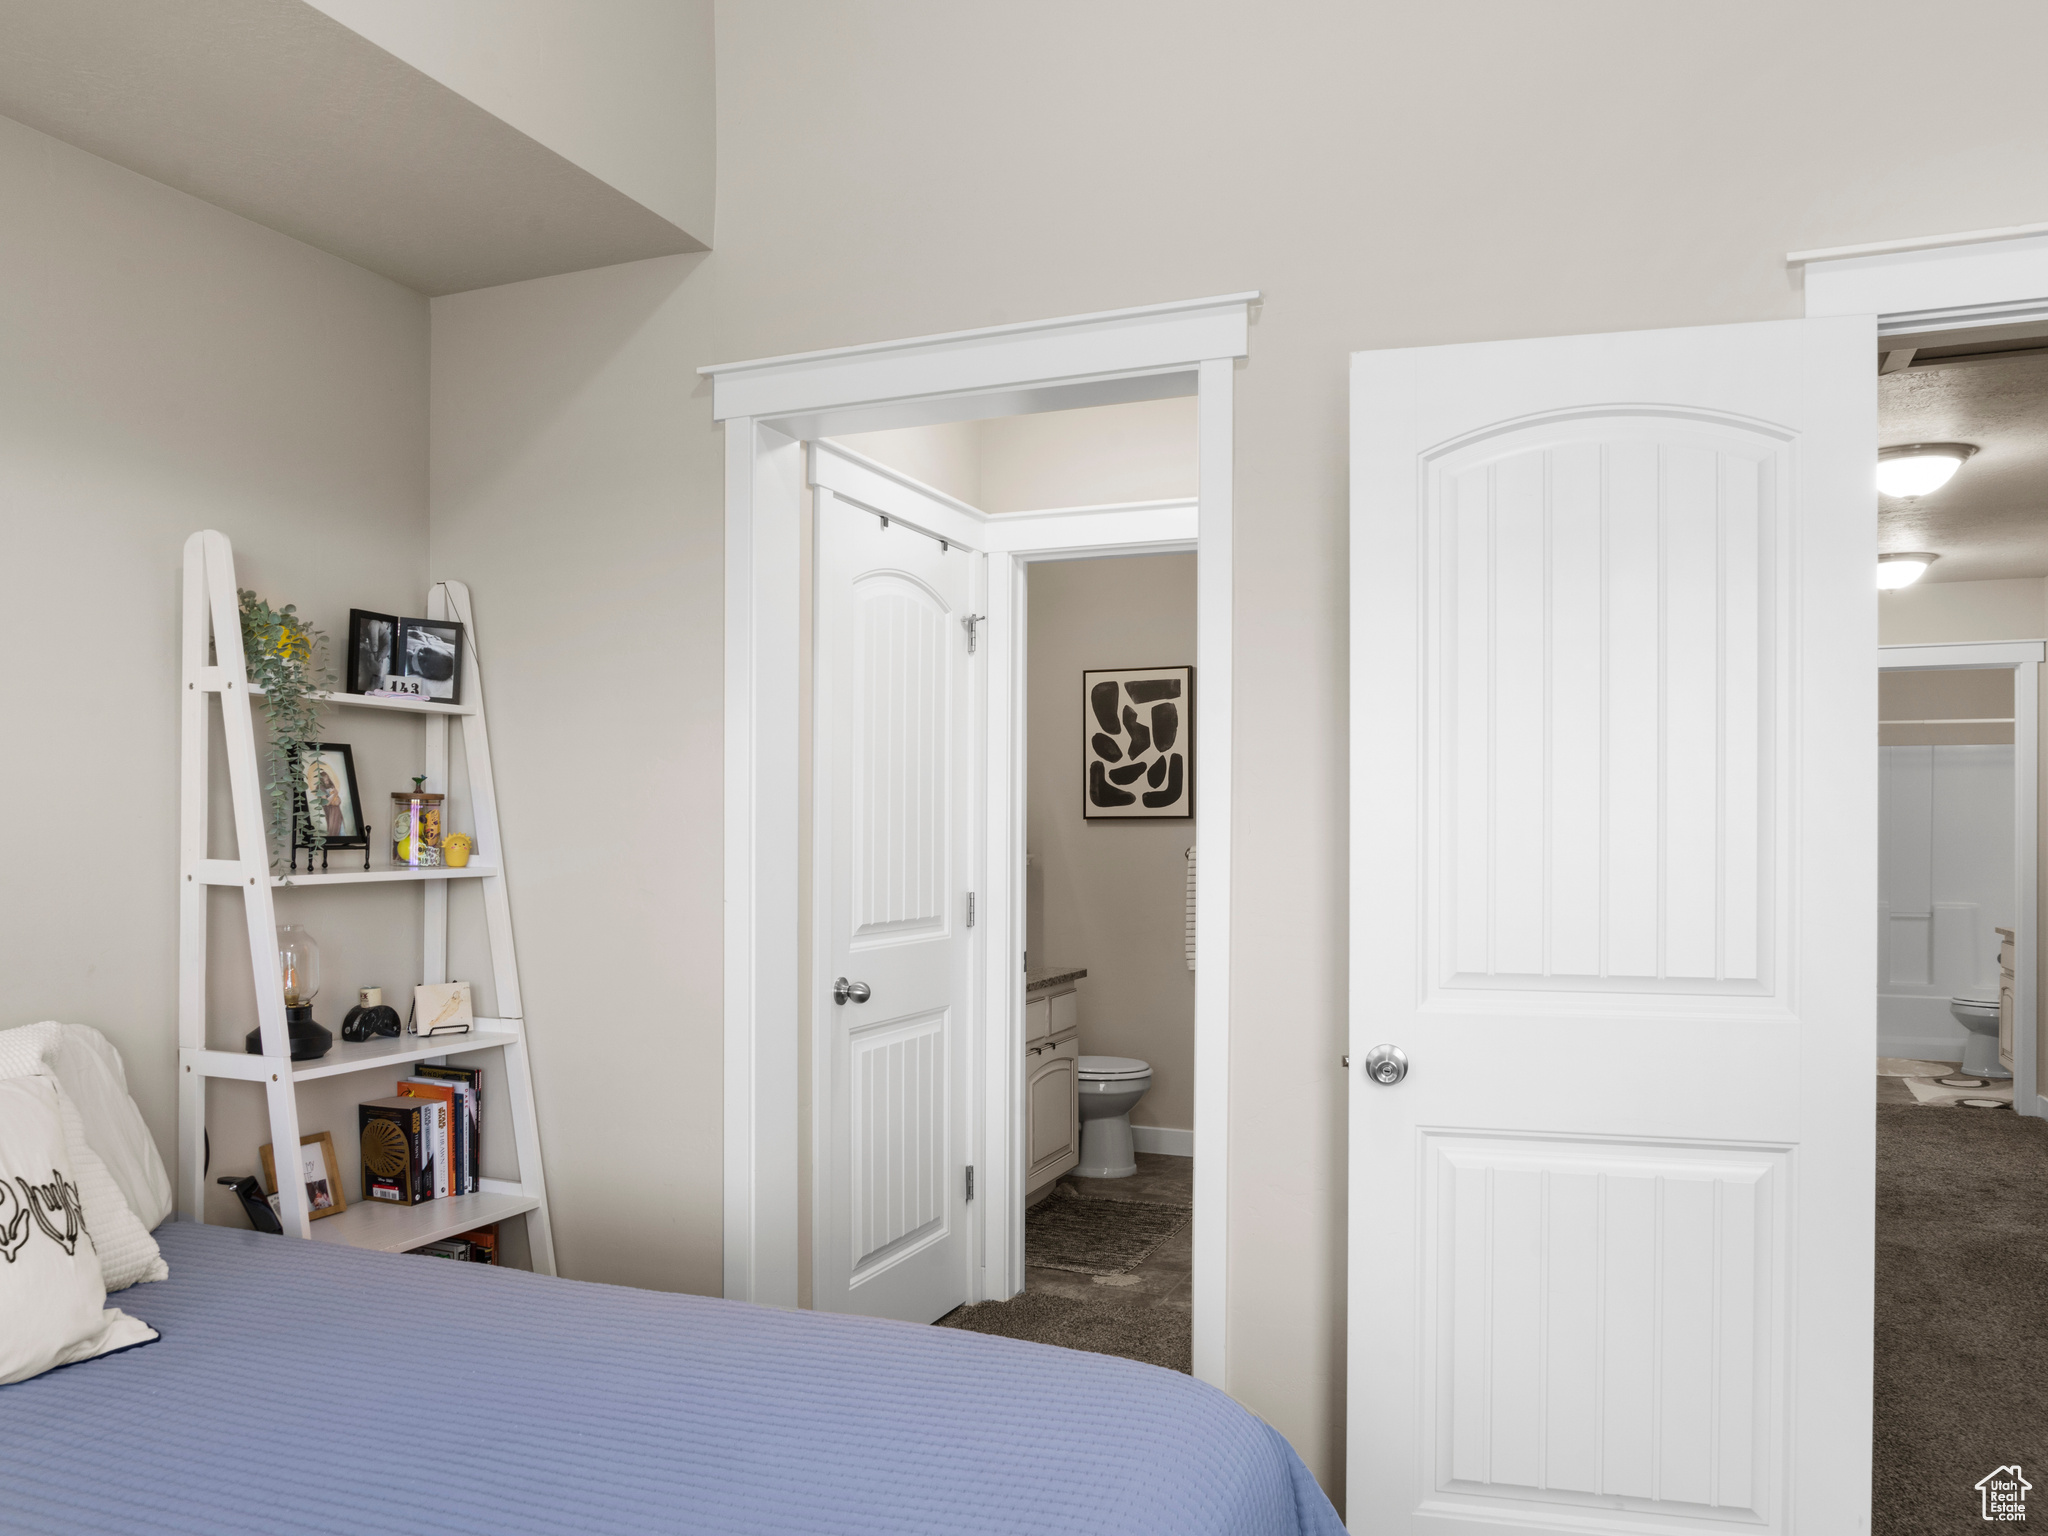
(844, 992)
(1386, 1065)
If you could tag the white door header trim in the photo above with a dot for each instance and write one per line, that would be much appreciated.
(1955, 282)
(1959, 655)
(1155, 338)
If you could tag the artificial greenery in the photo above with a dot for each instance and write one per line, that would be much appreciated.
(286, 659)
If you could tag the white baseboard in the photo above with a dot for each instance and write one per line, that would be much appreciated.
(1163, 1138)
(1921, 1047)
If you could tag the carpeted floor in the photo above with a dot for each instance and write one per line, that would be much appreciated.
(1962, 1311)
(1124, 1253)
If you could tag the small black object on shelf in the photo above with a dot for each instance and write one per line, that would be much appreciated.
(250, 1193)
(371, 1017)
(310, 1041)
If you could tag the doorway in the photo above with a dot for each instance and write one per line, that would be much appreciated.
(770, 409)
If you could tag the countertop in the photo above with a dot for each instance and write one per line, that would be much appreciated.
(1044, 978)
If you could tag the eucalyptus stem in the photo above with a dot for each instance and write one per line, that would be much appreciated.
(287, 660)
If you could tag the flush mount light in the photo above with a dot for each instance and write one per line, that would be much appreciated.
(1895, 571)
(1915, 469)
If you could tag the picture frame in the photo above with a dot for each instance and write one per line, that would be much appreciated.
(1138, 744)
(329, 800)
(372, 649)
(429, 651)
(319, 1167)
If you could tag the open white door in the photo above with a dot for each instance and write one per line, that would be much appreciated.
(1613, 860)
(894, 797)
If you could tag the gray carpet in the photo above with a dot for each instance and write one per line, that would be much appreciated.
(1096, 1235)
(1105, 1325)
(1962, 1311)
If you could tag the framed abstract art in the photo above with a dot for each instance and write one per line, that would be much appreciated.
(1138, 744)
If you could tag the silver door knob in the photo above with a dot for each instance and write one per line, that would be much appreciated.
(844, 992)
(1386, 1064)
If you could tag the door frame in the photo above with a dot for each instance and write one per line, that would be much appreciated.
(1949, 286)
(768, 407)
(2023, 659)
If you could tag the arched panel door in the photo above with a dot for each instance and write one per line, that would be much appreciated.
(894, 765)
(1613, 857)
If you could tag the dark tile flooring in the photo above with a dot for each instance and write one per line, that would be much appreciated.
(1144, 1315)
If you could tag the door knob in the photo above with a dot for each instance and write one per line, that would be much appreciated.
(1386, 1065)
(844, 992)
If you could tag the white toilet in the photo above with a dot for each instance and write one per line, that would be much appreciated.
(1975, 1009)
(1110, 1088)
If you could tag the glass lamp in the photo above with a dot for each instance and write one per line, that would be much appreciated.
(298, 967)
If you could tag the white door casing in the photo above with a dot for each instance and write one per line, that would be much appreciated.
(897, 722)
(1612, 864)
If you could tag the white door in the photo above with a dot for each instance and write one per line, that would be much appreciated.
(893, 795)
(1613, 860)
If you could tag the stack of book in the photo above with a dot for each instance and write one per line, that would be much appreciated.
(478, 1247)
(423, 1143)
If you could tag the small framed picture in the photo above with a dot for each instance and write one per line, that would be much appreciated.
(329, 805)
(1138, 744)
(372, 649)
(430, 651)
(317, 1166)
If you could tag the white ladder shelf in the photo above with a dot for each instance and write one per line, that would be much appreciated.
(213, 619)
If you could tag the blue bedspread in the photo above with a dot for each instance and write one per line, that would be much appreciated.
(304, 1388)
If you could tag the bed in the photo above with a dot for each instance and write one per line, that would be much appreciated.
(302, 1387)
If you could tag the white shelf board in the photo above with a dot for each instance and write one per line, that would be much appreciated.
(301, 882)
(348, 1056)
(367, 1055)
(395, 1228)
(403, 706)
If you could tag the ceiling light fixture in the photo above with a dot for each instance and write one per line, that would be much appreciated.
(1915, 469)
(1895, 571)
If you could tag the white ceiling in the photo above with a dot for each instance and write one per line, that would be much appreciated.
(1991, 520)
(274, 111)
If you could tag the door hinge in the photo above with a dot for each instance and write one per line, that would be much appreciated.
(971, 623)
(970, 1181)
(970, 909)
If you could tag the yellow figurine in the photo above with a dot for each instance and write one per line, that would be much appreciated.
(456, 849)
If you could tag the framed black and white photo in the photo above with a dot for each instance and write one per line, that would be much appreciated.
(430, 653)
(372, 649)
(1138, 744)
(329, 805)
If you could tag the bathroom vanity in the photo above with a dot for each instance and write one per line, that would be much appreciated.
(1052, 1059)
(2004, 997)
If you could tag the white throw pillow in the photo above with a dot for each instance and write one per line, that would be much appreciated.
(126, 1251)
(53, 1304)
(89, 1070)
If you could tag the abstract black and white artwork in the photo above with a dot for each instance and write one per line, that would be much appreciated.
(1138, 744)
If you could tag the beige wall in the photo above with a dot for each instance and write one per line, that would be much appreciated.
(1110, 895)
(1386, 175)
(170, 367)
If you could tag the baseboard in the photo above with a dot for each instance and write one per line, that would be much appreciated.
(1163, 1138)
(1921, 1047)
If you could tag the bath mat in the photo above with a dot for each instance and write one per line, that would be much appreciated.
(1906, 1066)
(1979, 1095)
(1068, 1230)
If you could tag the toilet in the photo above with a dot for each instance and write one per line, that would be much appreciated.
(1976, 1010)
(1110, 1087)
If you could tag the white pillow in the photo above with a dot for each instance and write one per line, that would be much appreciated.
(89, 1070)
(53, 1304)
(126, 1251)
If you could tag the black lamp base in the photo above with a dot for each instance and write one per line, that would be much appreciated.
(310, 1041)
